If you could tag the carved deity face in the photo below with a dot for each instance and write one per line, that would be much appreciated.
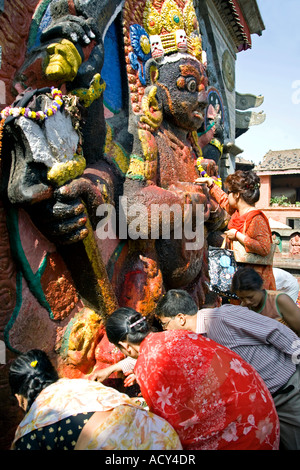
(63, 61)
(182, 90)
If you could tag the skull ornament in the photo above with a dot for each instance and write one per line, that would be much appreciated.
(181, 40)
(157, 50)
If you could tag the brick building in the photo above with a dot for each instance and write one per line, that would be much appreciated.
(279, 173)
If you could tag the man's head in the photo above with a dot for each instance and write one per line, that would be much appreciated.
(212, 300)
(173, 309)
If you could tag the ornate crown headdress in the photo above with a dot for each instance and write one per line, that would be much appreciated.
(173, 28)
(155, 29)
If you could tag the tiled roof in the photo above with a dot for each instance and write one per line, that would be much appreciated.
(243, 160)
(278, 160)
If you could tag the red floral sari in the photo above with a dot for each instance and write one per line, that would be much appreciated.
(209, 394)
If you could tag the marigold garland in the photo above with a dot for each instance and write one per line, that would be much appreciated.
(36, 115)
(204, 174)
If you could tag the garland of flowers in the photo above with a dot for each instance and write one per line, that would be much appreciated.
(36, 115)
(198, 162)
(200, 168)
(203, 173)
(216, 143)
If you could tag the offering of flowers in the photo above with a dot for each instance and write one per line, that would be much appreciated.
(55, 138)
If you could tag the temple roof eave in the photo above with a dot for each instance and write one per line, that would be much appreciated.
(252, 16)
(242, 18)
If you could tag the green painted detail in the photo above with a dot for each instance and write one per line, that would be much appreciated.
(206, 130)
(14, 314)
(114, 258)
(33, 280)
(15, 243)
(42, 268)
(110, 108)
(63, 351)
(133, 156)
(36, 20)
(135, 177)
(114, 161)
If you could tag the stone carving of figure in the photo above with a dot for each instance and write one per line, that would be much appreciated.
(295, 244)
(166, 119)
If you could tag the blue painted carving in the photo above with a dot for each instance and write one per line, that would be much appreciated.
(138, 57)
(112, 97)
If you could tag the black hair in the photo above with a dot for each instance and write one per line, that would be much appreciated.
(176, 301)
(211, 298)
(245, 182)
(127, 324)
(30, 373)
(246, 278)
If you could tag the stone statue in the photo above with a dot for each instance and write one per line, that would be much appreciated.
(64, 166)
(168, 95)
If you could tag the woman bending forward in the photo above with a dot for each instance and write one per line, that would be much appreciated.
(78, 414)
(210, 395)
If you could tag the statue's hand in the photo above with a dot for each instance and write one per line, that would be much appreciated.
(63, 218)
(191, 193)
(192, 196)
(62, 223)
(75, 28)
(90, 193)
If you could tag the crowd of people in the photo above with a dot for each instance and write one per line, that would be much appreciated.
(222, 377)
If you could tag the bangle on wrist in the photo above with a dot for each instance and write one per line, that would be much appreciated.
(210, 185)
(235, 234)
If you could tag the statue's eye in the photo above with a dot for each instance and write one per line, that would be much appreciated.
(191, 85)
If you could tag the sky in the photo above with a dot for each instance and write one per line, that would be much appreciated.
(272, 68)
